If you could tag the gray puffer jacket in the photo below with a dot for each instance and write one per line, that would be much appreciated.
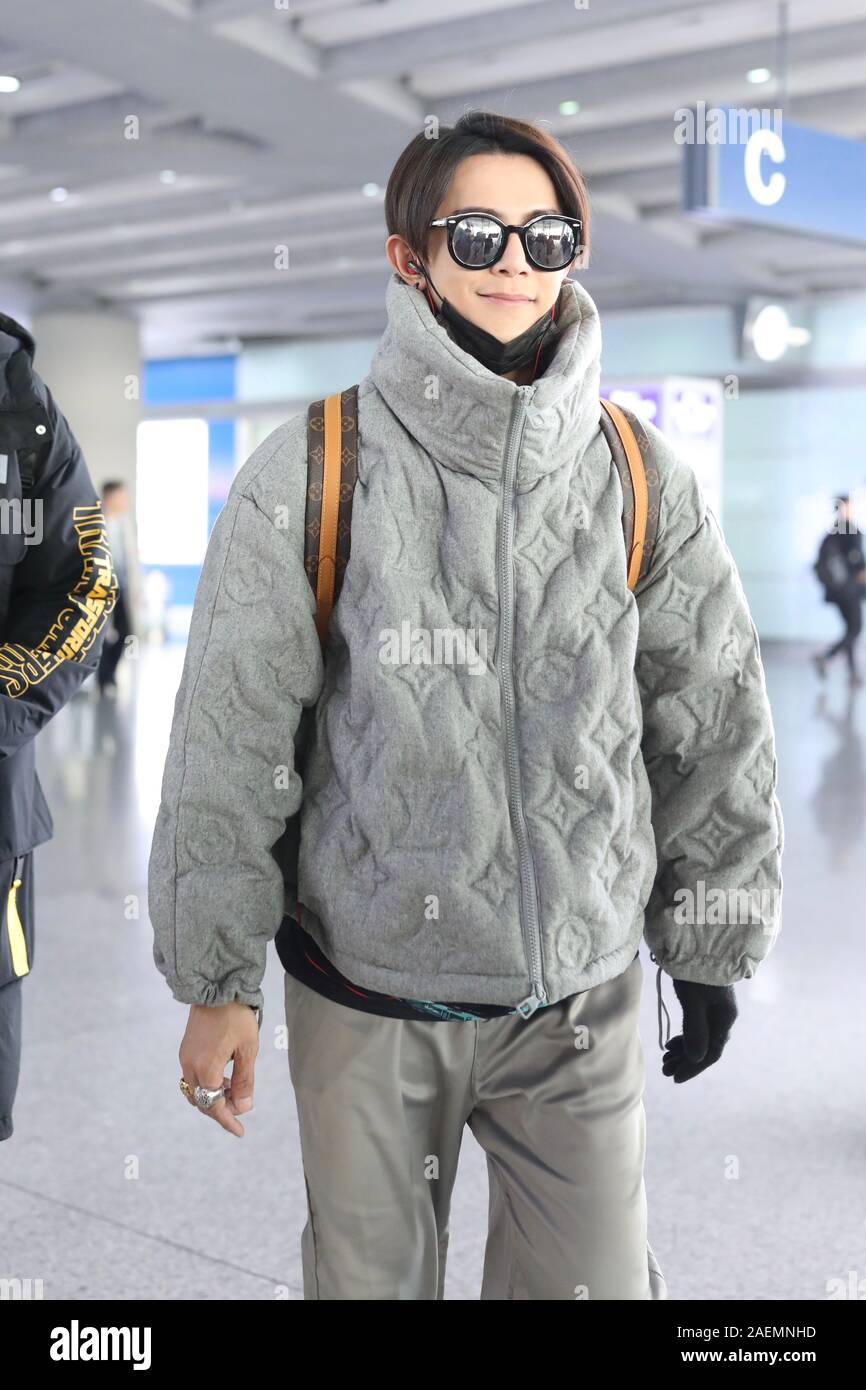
(518, 766)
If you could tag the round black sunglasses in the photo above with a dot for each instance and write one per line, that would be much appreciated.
(477, 240)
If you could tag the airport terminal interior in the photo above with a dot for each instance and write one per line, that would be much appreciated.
(193, 232)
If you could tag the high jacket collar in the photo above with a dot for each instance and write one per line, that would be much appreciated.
(460, 413)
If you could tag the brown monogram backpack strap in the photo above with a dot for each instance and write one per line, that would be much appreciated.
(631, 451)
(332, 471)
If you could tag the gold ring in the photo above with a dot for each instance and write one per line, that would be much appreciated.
(186, 1088)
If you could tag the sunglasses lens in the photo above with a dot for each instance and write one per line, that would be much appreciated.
(476, 240)
(550, 243)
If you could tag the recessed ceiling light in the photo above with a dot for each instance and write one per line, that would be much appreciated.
(370, 190)
(569, 108)
(168, 176)
(758, 75)
(59, 195)
(9, 84)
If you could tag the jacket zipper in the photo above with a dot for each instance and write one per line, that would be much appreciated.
(505, 665)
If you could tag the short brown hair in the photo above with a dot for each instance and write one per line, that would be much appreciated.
(420, 178)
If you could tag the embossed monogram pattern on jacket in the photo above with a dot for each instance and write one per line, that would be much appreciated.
(643, 736)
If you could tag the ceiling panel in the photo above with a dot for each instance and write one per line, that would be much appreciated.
(194, 137)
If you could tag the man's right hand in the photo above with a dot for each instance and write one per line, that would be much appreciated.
(216, 1034)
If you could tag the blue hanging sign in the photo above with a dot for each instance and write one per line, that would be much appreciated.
(745, 165)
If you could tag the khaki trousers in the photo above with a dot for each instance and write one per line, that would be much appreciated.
(556, 1102)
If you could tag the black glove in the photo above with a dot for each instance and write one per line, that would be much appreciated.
(708, 1015)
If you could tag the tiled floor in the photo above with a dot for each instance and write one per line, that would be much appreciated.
(113, 1187)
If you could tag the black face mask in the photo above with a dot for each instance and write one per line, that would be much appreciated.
(496, 356)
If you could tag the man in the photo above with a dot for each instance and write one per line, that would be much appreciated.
(841, 569)
(480, 835)
(57, 588)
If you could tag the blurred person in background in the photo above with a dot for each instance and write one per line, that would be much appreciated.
(156, 592)
(57, 589)
(115, 506)
(841, 568)
(467, 948)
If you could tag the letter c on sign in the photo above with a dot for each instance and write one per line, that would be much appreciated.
(769, 143)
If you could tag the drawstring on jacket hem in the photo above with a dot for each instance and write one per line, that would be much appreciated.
(662, 1005)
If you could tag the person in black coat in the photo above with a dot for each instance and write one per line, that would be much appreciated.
(57, 589)
(841, 568)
